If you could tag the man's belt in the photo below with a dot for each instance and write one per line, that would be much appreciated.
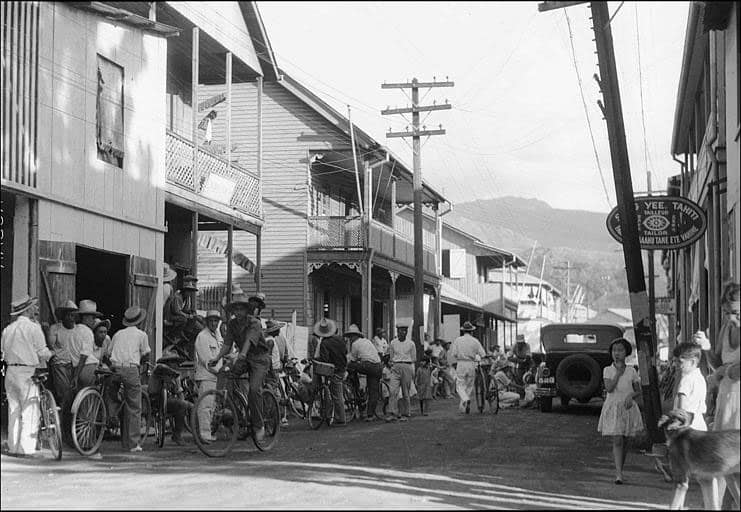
(401, 362)
(21, 364)
(126, 365)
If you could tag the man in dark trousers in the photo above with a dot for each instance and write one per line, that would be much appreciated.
(332, 349)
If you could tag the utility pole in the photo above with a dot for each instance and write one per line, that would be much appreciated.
(415, 134)
(639, 303)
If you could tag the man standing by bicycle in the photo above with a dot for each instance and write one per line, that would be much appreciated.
(23, 345)
(245, 331)
(364, 358)
(464, 353)
(402, 355)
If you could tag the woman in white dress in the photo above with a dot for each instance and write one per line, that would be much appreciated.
(620, 417)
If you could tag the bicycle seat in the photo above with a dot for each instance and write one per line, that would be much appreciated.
(165, 372)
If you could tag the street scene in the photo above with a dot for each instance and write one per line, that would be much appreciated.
(386, 255)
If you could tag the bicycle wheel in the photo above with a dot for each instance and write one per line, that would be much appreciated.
(315, 412)
(145, 418)
(479, 391)
(88, 421)
(271, 422)
(51, 426)
(215, 408)
(351, 406)
(295, 405)
(160, 419)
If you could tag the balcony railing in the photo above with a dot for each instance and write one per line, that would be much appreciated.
(179, 161)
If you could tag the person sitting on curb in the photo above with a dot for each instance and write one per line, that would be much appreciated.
(504, 379)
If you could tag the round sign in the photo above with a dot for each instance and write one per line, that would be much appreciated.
(663, 222)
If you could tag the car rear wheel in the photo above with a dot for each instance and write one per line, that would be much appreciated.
(579, 376)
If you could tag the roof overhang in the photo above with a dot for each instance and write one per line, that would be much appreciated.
(127, 17)
(260, 40)
(450, 295)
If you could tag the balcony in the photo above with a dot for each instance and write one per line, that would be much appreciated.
(348, 233)
(220, 174)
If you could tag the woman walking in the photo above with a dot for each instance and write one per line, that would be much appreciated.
(620, 417)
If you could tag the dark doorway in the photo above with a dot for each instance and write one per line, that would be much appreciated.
(101, 276)
(7, 219)
(356, 311)
(378, 320)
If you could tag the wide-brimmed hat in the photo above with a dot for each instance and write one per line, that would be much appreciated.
(468, 327)
(69, 305)
(168, 274)
(272, 326)
(237, 300)
(259, 297)
(212, 313)
(134, 316)
(190, 283)
(520, 337)
(88, 307)
(21, 304)
(325, 327)
(106, 323)
(353, 329)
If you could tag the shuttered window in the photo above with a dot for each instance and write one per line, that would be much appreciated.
(458, 263)
(446, 263)
(110, 112)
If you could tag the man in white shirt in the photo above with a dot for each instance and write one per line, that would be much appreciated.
(363, 358)
(128, 347)
(23, 346)
(464, 352)
(380, 342)
(207, 346)
(402, 355)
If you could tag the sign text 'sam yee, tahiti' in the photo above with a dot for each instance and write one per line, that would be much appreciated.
(663, 222)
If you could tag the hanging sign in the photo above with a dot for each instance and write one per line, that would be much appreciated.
(663, 222)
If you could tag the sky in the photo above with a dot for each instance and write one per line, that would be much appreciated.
(517, 126)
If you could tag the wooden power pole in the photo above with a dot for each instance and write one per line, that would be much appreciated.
(415, 134)
(639, 303)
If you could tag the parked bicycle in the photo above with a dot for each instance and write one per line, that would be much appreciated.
(94, 412)
(50, 428)
(321, 406)
(289, 381)
(483, 387)
(229, 414)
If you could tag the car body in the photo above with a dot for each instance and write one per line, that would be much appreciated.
(575, 355)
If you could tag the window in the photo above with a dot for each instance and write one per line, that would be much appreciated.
(580, 338)
(458, 263)
(446, 262)
(110, 113)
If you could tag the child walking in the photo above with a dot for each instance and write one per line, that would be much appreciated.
(423, 382)
(620, 417)
(692, 388)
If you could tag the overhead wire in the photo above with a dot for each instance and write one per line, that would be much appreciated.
(643, 112)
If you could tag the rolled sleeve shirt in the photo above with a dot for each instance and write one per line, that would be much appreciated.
(363, 350)
(402, 351)
(60, 341)
(466, 348)
(129, 345)
(23, 342)
(207, 346)
(83, 344)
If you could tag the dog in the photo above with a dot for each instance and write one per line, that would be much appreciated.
(706, 456)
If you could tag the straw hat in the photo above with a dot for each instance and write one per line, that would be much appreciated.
(236, 301)
(89, 307)
(212, 313)
(68, 305)
(402, 326)
(134, 316)
(353, 329)
(20, 305)
(259, 297)
(325, 327)
(105, 323)
(468, 327)
(168, 274)
(272, 327)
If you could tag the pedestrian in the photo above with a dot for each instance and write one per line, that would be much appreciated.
(245, 332)
(364, 358)
(464, 353)
(447, 373)
(207, 346)
(333, 350)
(727, 358)
(423, 382)
(82, 349)
(402, 355)
(692, 389)
(60, 339)
(437, 348)
(380, 342)
(23, 350)
(620, 418)
(128, 348)
(102, 342)
(271, 331)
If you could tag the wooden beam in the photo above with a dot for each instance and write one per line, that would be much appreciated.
(550, 5)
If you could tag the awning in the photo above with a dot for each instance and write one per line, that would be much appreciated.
(450, 295)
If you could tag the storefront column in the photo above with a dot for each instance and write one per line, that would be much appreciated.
(392, 305)
(194, 244)
(229, 252)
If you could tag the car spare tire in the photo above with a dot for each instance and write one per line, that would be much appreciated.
(578, 376)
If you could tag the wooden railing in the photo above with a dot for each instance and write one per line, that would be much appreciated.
(179, 161)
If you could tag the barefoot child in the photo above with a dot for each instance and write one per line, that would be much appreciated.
(620, 417)
(423, 381)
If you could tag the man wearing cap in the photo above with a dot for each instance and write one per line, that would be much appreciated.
(364, 358)
(23, 347)
(245, 331)
(207, 346)
(128, 347)
(402, 355)
(82, 349)
(464, 353)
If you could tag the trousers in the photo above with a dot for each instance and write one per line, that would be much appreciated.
(401, 377)
(131, 427)
(23, 410)
(258, 370)
(207, 409)
(373, 373)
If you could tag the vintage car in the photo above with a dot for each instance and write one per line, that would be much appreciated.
(575, 355)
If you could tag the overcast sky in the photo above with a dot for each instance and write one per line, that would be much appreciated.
(517, 126)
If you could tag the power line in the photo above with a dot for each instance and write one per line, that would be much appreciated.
(643, 112)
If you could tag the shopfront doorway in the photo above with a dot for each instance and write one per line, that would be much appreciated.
(101, 276)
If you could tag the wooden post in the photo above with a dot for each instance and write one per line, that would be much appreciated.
(438, 270)
(258, 263)
(367, 300)
(393, 204)
(419, 270)
(194, 113)
(392, 305)
(229, 252)
(259, 146)
(228, 152)
(194, 244)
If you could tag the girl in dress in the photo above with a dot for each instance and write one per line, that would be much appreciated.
(620, 417)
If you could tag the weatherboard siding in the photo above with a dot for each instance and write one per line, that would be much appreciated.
(290, 130)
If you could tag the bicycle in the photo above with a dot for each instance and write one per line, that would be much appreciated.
(228, 409)
(288, 380)
(482, 388)
(161, 417)
(356, 398)
(50, 428)
(321, 407)
(91, 417)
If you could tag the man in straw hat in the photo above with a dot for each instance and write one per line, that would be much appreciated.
(364, 358)
(207, 346)
(128, 347)
(464, 352)
(402, 356)
(82, 349)
(332, 349)
(245, 332)
(23, 347)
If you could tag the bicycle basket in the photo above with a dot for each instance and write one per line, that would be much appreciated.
(325, 369)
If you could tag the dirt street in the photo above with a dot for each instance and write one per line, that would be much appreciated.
(515, 459)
